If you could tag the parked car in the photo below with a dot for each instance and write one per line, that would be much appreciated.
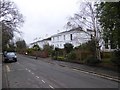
(10, 56)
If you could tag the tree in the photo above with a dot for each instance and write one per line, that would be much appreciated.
(10, 20)
(21, 44)
(86, 18)
(36, 47)
(109, 17)
(48, 48)
(88, 46)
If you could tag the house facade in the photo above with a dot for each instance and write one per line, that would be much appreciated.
(74, 36)
(41, 43)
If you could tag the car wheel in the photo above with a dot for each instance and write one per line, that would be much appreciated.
(15, 60)
(5, 61)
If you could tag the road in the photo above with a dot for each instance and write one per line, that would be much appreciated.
(32, 73)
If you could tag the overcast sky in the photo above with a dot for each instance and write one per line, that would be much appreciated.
(44, 18)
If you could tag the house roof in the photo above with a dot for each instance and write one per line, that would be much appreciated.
(72, 30)
(49, 38)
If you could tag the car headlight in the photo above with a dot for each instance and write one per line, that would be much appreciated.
(15, 56)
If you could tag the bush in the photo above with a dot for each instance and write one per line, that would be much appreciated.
(91, 60)
(85, 54)
(30, 50)
(48, 48)
(36, 47)
(60, 58)
(54, 58)
(68, 47)
(71, 56)
(106, 55)
(88, 46)
(116, 57)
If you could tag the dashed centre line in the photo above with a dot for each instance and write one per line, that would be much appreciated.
(51, 86)
(29, 71)
(37, 77)
(43, 81)
(32, 73)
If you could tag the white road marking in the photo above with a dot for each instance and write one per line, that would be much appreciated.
(75, 69)
(37, 77)
(32, 73)
(92, 73)
(50, 86)
(8, 68)
(84, 72)
(29, 71)
(43, 81)
(26, 68)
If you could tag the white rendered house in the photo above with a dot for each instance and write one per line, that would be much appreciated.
(41, 43)
(74, 36)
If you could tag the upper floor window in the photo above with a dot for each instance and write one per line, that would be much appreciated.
(70, 36)
(64, 37)
(53, 38)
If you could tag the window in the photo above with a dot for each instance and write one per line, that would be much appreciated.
(70, 36)
(58, 45)
(64, 37)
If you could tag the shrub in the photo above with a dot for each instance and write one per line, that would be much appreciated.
(91, 60)
(85, 54)
(54, 53)
(54, 58)
(71, 56)
(116, 57)
(106, 55)
(68, 47)
(36, 47)
(88, 46)
(48, 48)
(30, 50)
(60, 58)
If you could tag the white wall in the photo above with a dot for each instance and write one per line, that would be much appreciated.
(77, 39)
(44, 42)
(41, 43)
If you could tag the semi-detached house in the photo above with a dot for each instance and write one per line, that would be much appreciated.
(41, 43)
(74, 36)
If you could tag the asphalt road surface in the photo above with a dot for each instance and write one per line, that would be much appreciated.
(32, 73)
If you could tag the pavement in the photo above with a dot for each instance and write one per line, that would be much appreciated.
(0, 71)
(98, 71)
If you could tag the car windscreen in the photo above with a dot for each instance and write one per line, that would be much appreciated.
(11, 54)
